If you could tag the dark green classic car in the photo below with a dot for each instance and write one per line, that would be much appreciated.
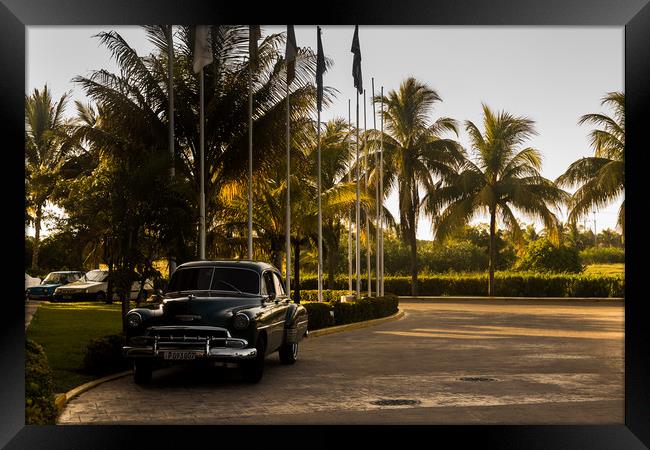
(225, 311)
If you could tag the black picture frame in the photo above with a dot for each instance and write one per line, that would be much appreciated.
(634, 15)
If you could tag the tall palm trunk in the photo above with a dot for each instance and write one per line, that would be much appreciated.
(413, 244)
(37, 235)
(492, 251)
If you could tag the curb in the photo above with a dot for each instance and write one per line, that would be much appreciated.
(61, 399)
(354, 326)
(424, 298)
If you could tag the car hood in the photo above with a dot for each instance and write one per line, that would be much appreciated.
(81, 284)
(44, 287)
(204, 311)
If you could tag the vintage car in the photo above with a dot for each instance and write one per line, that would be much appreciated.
(221, 311)
(93, 286)
(45, 290)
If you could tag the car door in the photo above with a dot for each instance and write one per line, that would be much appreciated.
(272, 318)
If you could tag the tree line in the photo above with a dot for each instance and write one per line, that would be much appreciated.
(108, 164)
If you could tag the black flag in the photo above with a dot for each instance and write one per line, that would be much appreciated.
(290, 54)
(320, 70)
(356, 65)
(254, 34)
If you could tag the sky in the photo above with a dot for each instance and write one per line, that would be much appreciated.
(552, 75)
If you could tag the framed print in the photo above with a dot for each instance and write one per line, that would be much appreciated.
(479, 337)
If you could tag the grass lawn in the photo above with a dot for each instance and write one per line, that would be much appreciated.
(65, 329)
(605, 269)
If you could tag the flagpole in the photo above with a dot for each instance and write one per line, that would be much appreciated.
(201, 156)
(250, 158)
(350, 217)
(287, 230)
(365, 185)
(320, 219)
(381, 190)
(357, 212)
(374, 127)
(171, 261)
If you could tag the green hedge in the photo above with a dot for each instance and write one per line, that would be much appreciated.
(320, 314)
(39, 397)
(104, 355)
(311, 295)
(507, 284)
(602, 255)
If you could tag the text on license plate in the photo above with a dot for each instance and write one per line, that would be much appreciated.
(179, 355)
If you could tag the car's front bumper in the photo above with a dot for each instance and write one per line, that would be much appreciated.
(39, 296)
(213, 343)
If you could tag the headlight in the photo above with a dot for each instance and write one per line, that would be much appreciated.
(241, 321)
(134, 320)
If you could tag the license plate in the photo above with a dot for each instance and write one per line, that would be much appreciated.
(179, 355)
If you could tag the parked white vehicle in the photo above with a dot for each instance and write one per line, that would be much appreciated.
(93, 286)
(31, 281)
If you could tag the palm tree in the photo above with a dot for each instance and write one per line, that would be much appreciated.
(503, 178)
(414, 153)
(602, 176)
(139, 93)
(45, 152)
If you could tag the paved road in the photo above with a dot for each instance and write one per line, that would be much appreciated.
(523, 362)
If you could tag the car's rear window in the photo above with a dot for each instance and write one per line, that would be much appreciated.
(218, 278)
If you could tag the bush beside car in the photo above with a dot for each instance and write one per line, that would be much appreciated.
(320, 314)
(39, 396)
(104, 355)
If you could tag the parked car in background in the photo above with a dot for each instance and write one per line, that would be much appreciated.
(31, 281)
(94, 285)
(223, 311)
(45, 290)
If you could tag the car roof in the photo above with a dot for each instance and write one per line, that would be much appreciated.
(257, 266)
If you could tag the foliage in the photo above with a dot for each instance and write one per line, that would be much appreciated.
(515, 284)
(601, 178)
(415, 151)
(311, 295)
(602, 255)
(39, 397)
(502, 176)
(319, 315)
(367, 308)
(104, 355)
(543, 255)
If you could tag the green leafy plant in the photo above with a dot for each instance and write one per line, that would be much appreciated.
(104, 355)
(39, 398)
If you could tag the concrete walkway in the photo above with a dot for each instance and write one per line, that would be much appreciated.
(445, 362)
(30, 308)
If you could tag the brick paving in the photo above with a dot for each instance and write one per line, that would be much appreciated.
(557, 363)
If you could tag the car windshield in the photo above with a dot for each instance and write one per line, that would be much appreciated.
(96, 275)
(54, 278)
(230, 279)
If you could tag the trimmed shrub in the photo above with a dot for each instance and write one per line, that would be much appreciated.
(507, 284)
(39, 397)
(328, 295)
(104, 355)
(602, 255)
(318, 315)
(349, 312)
(544, 256)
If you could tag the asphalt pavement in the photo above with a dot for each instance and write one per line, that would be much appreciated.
(444, 362)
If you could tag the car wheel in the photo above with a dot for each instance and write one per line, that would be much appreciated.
(142, 372)
(101, 297)
(253, 370)
(288, 353)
